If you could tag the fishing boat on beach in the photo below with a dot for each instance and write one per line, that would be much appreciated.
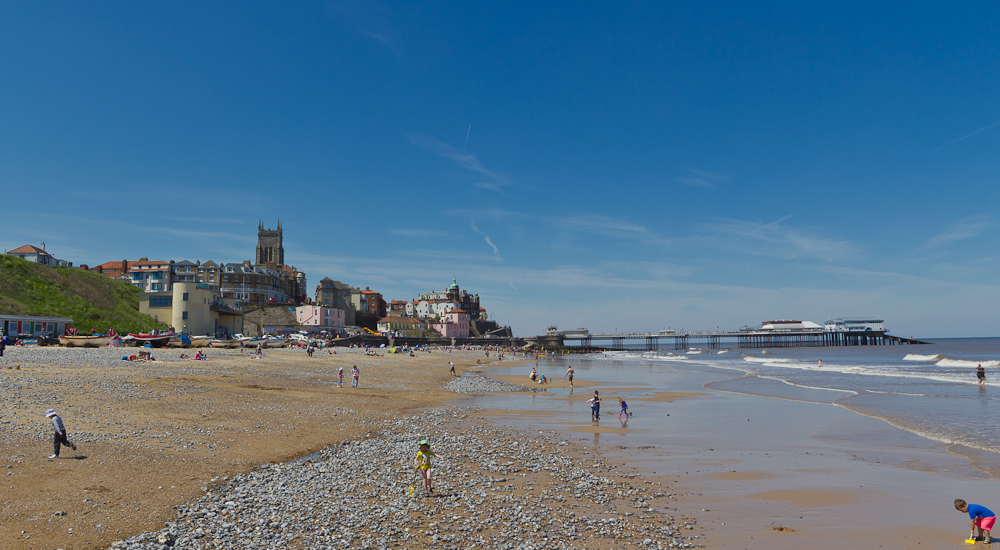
(179, 341)
(85, 341)
(154, 340)
(200, 341)
(272, 343)
(225, 343)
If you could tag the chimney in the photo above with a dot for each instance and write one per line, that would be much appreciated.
(43, 247)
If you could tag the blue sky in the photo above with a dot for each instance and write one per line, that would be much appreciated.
(590, 165)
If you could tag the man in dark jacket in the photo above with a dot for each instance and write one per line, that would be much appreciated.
(59, 437)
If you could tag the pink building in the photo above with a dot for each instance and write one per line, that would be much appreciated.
(319, 316)
(455, 324)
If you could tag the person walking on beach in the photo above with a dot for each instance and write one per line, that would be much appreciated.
(3, 343)
(59, 435)
(569, 376)
(357, 374)
(423, 462)
(452, 363)
(980, 518)
(980, 374)
(340, 376)
(533, 375)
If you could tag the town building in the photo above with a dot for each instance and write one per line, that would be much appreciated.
(37, 255)
(183, 271)
(114, 270)
(368, 301)
(253, 283)
(208, 273)
(401, 326)
(149, 276)
(320, 317)
(23, 325)
(335, 294)
(194, 308)
(453, 324)
(425, 309)
(453, 294)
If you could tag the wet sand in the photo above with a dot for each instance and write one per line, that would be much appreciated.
(741, 465)
(761, 472)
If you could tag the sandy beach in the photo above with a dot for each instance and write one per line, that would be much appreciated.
(167, 445)
(156, 437)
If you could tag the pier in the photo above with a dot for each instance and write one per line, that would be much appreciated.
(719, 340)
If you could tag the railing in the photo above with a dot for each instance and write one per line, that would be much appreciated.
(225, 308)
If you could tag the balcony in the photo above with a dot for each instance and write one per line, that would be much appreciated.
(221, 307)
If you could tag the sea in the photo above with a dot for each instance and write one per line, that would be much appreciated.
(927, 390)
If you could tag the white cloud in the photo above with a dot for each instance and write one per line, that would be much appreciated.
(960, 230)
(774, 240)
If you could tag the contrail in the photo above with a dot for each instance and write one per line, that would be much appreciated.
(772, 224)
(467, 138)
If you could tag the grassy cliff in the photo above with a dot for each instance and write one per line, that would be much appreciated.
(90, 299)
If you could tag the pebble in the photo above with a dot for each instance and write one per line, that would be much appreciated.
(493, 489)
(477, 383)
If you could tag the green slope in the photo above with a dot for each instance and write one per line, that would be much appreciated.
(90, 299)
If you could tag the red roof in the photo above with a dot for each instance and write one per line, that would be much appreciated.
(368, 292)
(28, 249)
(457, 311)
(111, 266)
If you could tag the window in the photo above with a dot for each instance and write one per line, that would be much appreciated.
(184, 315)
(201, 278)
(155, 275)
(185, 299)
(225, 277)
(161, 301)
(154, 286)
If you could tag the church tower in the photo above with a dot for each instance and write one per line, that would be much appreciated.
(270, 252)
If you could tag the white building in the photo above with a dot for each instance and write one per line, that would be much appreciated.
(788, 324)
(425, 309)
(856, 324)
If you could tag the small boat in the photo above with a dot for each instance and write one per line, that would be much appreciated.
(154, 340)
(85, 341)
(272, 343)
(179, 341)
(200, 341)
(225, 343)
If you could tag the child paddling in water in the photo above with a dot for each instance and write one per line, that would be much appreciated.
(980, 517)
(624, 406)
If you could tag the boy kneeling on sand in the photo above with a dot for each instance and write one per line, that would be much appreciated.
(981, 518)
